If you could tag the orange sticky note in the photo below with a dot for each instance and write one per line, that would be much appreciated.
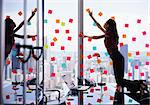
(129, 54)
(147, 53)
(99, 61)
(113, 17)
(57, 21)
(54, 39)
(124, 36)
(19, 13)
(111, 63)
(88, 10)
(100, 13)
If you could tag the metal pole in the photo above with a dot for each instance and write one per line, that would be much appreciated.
(2, 51)
(37, 53)
(24, 65)
(80, 52)
(43, 44)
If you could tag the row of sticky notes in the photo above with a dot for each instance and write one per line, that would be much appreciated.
(141, 74)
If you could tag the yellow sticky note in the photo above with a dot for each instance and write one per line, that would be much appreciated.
(62, 23)
(129, 54)
(54, 39)
(46, 46)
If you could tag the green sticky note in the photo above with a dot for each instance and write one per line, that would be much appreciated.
(62, 23)
(94, 24)
(45, 21)
(130, 100)
(63, 65)
(29, 23)
(94, 48)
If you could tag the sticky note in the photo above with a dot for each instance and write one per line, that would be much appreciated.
(7, 97)
(105, 72)
(81, 46)
(62, 48)
(124, 36)
(130, 100)
(147, 53)
(29, 23)
(52, 44)
(53, 58)
(89, 39)
(63, 65)
(105, 88)
(7, 62)
(133, 39)
(14, 71)
(81, 34)
(147, 45)
(137, 53)
(68, 58)
(50, 11)
(138, 20)
(126, 25)
(33, 38)
(19, 13)
(111, 97)
(70, 20)
(81, 73)
(113, 17)
(121, 44)
(62, 23)
(99, 100)
(91, 70)
(136, 67)
(130, 60)
(94, 24)
(45, 21)
(106, 54)
(56, 31)
(129, 74)
(81, 56)
(92, 90)
(89, 56)
(30, 70)
(69, 38)
(99, 61)
(46, 46)
(94, 48)
(129, 54)
(67, 31)
(88, 10)
(141, 74)
(81, 65)
(100, 13)
(89, 104)
(54, 39)
(52, 75)
(57, 21)
(68, 103)
(144, 32)
(147, 63)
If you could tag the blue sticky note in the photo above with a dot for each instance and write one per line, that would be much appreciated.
(45, 21)
(94, 48)
(94, 24)
(14, 52)
(29, 23)
(106, 54)
(130, 60)
(63, 65)
(130, 100)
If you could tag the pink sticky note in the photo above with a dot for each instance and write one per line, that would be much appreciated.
(53, 58)
(7, 62)
(81, 65)
(126, 25)
(68, 58)
(147, 63)
(89, 39)
(69, 38)
(129, 74)
(52, 44)
(142, 74)
(121, 44)
(50, 11)
(52, 74)
(91, 70)
(14, 71)
(105, 72)
(68, 103)
(89, 56)
(99, 100)
(33, 38)
(7, 97)
(92, 90)
(111, 98)
(62, 47)
(30, 70)
(89, 104)
(147, 45)
(81, 46)
(138, 20)
(105, 88)
(136, 67)
(137, 53)
(56, 30)
(133, 38)
(144, 32)
(70, 20)
(81, 73)
(81, 34)
(67, 31)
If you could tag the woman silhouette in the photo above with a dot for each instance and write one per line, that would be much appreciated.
(111, 42)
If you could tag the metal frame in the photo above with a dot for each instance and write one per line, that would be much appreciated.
(2, 51)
